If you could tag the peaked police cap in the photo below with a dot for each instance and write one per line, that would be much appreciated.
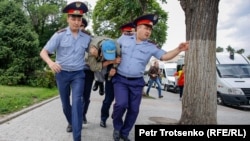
(149, 19)
(75, 8)
(127, 27)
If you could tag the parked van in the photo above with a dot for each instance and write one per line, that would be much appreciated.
(168, 78)
(233, 79)
(180, 63)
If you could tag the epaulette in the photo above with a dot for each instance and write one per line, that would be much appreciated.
(86, 32)
(153, 42)
(61, 30)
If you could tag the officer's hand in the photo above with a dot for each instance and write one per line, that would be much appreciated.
(183, 46)
(93, 51)
(118, 60)
(112, 72)
(55, 67)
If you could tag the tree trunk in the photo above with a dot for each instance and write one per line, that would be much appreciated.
(199, 104)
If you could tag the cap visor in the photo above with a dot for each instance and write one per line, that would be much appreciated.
(109, 56)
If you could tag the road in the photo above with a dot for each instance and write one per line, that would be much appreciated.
(47, 122)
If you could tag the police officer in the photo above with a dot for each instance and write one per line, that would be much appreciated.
(128, 81)
(84, 23)
(70, 45)
(128, 28)
(89, 78)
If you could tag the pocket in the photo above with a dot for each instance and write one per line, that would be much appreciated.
(65, 47)
(142, 54)
(125, 49)
(83, 48)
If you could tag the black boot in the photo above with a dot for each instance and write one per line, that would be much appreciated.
(95, 87)
(101, 88)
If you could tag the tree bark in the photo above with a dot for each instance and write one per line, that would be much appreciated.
(199, 104)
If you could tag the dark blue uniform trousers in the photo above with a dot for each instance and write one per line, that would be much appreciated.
(128, 94)
(71, 83)
(89, 78)
(109, 97)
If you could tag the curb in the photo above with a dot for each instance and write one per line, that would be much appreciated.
(16, 114)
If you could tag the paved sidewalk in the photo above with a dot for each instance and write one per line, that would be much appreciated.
(46, 122)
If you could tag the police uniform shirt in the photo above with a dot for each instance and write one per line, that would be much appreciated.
(135, 56)
(96, 63)
(70, 51)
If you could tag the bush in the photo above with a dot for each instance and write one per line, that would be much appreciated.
(44, 78)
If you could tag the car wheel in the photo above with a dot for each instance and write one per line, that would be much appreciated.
(220, 100)
(168, 88)
(165, 87)
(175, 89)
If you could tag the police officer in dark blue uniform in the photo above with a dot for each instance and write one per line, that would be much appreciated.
(89, 78)
(109, 90)
(128, 81)
(70, 45)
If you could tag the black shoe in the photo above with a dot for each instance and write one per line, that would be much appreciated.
(103, 124)
(84, 121)
(101, 88)
(95, 87)
(125, 138)
(161, 96)
(116, 135)
(69, 128)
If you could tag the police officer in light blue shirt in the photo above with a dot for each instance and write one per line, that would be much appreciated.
(128, 81)
(70, 45)
(137, 56)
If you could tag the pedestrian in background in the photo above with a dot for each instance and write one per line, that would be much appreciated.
(180, 80)
(70, 45)
(154, 74)
(128, 80)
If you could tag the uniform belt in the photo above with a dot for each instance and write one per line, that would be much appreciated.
(128, 78)
(70, 70)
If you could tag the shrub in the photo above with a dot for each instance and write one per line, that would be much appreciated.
(43, 78)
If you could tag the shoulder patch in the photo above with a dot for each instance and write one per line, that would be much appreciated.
(61, 30)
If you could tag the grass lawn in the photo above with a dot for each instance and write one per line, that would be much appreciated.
(15, 98)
